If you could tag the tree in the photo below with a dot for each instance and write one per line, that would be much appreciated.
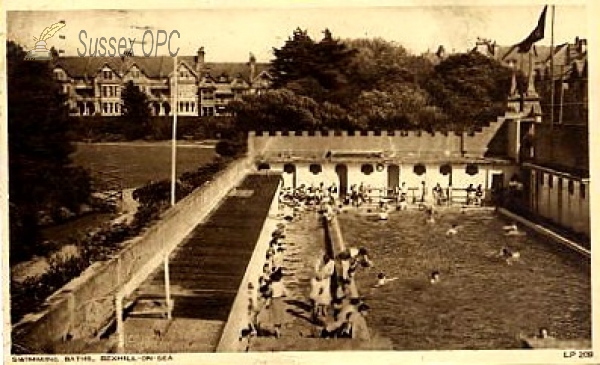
(136, 111)
(317, 70)
(471, 89)
(41, 177)
(379, 64)
(276, 110)
(397, 108)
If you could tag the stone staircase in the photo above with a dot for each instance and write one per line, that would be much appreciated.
(477, 144)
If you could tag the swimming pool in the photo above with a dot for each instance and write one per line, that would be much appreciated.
(481, 302)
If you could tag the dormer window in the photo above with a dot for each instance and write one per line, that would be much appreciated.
(135, 74)
(107, 75)
(59, 75)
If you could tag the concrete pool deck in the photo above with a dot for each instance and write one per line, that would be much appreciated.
(308, 241)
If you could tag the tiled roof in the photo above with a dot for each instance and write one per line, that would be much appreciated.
(154, 67)
(565, 57)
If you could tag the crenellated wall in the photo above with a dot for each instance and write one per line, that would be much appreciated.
(319, 143)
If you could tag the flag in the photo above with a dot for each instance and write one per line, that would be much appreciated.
(536, 35)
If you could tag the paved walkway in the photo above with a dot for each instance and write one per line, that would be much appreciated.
(306, 239)
(205, 274)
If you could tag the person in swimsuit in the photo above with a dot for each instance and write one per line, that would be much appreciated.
(452, 231)
(382, 279)
(434, 278)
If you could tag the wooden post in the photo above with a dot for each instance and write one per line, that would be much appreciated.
(120, 326)
(562, 94)
(552, 69)
(167, 287)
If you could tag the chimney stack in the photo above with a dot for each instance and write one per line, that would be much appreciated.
(582, 46)
(252, 65)
(441, 52)
(200, 59)
(481, 46)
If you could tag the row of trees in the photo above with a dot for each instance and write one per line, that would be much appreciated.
(374, 84)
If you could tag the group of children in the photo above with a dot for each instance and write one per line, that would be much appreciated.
(271, 290)
(338, 310)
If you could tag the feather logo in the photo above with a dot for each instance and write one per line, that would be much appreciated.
(51, 30)
(40, 52)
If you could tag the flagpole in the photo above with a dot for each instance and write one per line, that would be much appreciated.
(562, 94)
(552, 69)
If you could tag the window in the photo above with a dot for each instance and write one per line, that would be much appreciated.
(445, 169)
(107, 75)
(116, 108)
(135, 74)
(540, 178)
(187, 106)
(110, 108)
(104, 91)
(181, 106)
(472, 169)
(208, 95)
(263, 166)
(560, 184)
(367, 169)
(105, 107)
(550, 181)
(193, 106)
(58, 74)
(208, 111)
(571, 187)
(315, 169)
(582, 190)
(419, 169)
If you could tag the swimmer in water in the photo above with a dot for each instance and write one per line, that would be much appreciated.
(513, 230)
(543, 333)
(452, 230)
(511, 227)
(434, 277)
(509, 255)
(383, 216)
(382, 279)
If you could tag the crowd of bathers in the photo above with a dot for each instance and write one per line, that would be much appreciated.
(336, 307)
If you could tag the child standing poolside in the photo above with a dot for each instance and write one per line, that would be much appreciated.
(277, 301)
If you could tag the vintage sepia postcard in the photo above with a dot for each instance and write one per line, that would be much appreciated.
(298, 182)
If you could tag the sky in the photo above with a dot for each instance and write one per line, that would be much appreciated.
(230, 33)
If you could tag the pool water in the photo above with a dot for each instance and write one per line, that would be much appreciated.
(480, 302)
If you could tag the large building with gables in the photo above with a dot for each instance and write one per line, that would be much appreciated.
(93, 84)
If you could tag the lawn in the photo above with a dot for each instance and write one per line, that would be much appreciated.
(137, 163)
